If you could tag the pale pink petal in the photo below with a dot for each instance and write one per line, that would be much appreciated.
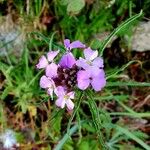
(98, 62)
(51, 70)
(71, 95)
(83, 79)
(59, 91)
(60, 102)
(67, 60)
(76, 44)
(67, 43)
(82, 63)
(45, 82)
(42, 62)
(51, 55)
(99, 81)
(70, 104)
(90, 54)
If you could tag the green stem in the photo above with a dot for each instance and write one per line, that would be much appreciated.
(75, 111)
(96, 120)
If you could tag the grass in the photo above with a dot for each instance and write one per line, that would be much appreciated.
(103, 120)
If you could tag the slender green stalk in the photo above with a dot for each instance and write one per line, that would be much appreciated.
(75, 111)
(132, 136)
(66, 137)
(135, 115)
(96, 120)
(141, 84)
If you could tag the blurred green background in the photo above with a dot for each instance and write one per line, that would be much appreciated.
(30, 28)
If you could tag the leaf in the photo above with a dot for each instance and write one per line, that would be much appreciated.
(96, 119)
(75, 6)
(66, 137)
(133, 137)
(118, 29)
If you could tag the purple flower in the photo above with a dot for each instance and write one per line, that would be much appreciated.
(67, 60)
(47, 83)
(43, 61)
(91, 59)
(75, 44)
(64, 98)
(94, 77)
(51, 69)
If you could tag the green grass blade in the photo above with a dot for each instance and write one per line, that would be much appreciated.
(75, 110)
(130, 83)
(124, 24)
(136, 115)
(51, 41)
(60, 144)
(132, 136)
(122, 68)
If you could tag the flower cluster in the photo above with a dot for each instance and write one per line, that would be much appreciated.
(61, 78)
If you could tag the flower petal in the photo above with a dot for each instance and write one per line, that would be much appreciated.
(98, 82)
(45, 82)
(67, 60)
(93, 71)
(83, 79)
(82, 63)
(60, 102)
(42, 62)
(90, 54)
(98, 62)
(51, 70)
(51, 55)
(70, 104)
(67, 43)
(59, 91)
(76, 44)
(71, 95)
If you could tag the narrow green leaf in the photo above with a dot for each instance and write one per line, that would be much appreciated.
(135, 115)
(60, 144)
(96, 120)
(124, 24)
(130, 83)
(122, 68)
(132, 136)
(75, 110)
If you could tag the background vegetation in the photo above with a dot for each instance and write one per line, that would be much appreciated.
(120, 112)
